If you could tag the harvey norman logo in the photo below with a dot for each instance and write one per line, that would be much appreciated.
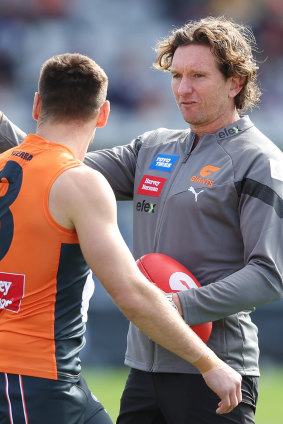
(11, 291)
(151, 186)
(204, 172)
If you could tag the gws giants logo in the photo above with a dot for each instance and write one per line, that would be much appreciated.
(204, 172)
(11, 291)
(209, 169)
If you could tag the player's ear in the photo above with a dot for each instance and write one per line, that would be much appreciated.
(37, 102)
(103, 114)
(236, 85)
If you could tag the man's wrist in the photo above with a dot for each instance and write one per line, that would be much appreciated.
(169, 297)
(177, 302)
(206, 362)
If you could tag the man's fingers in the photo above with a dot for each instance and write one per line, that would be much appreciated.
(227, 404)
(223, 406)
(239, 393)
(226, 383)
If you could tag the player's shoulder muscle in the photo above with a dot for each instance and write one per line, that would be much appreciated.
(79, 190)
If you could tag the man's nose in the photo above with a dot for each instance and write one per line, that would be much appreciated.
(185, 86)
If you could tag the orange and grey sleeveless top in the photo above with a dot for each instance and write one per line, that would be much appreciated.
(43, 275)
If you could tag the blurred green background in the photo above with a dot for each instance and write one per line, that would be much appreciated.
(107, 384)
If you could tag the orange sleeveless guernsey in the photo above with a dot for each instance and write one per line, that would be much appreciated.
(42, 271)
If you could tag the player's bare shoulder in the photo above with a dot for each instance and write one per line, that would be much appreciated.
(76, 191)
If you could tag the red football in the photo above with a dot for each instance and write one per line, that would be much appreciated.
(171, 276)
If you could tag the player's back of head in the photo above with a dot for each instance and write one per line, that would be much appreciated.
(72, 87)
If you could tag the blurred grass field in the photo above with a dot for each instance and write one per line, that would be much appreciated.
(107, 385)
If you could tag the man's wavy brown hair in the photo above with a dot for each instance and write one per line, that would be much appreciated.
(232, 45)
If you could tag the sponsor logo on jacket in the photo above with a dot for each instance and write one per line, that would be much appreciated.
(204, 172)
(228, 131)
(151, 186)
(164, 162)
(145, 206)
(11, 291)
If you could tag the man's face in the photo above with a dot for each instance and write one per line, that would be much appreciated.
(205, 98)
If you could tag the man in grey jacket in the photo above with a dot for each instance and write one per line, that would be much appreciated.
(217, 209)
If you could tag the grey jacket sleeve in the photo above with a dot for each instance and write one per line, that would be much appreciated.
(260, 281)
(118, 165)
(10, 134)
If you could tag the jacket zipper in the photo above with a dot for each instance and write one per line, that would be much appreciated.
(186, 157)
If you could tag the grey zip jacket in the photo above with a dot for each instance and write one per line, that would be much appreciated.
(218, 210)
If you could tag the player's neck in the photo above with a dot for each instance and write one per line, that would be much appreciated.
(75, 136)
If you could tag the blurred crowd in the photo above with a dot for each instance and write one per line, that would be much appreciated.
(120, 35)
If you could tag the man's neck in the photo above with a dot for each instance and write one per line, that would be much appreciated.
(75, 136)
(213, 127)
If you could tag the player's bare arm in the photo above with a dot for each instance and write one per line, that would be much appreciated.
(82, 199)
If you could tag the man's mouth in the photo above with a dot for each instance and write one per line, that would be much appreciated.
(187, 102)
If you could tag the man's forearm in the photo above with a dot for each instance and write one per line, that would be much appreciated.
(153, 315)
